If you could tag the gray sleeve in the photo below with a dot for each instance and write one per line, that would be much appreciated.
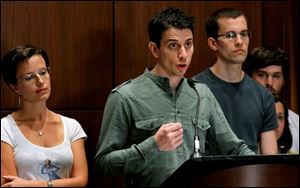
(113, 156)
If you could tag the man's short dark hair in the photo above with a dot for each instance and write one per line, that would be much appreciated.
(168, 18)
(211, 23)
(264, 56)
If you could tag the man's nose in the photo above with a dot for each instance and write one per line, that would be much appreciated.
(269, 80)
(182, 53)
(238, 40)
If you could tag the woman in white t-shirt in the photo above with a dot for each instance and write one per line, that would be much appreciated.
(38, 146)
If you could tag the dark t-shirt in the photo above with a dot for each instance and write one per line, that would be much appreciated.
(248, 106)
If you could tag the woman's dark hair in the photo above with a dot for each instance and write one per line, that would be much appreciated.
(13, 58)
(285, 141)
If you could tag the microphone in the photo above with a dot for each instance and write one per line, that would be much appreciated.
(196, 153)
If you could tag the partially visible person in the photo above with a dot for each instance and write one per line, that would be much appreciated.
(268, 65)
(39, 148)
(154, 123)
(248, 107)
(283, 133)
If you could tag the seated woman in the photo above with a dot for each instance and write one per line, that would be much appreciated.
(39, 147)
(283, 133)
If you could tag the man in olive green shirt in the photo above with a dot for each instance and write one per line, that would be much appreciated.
(149, 123)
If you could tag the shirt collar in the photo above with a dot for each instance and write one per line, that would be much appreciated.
(162, 82)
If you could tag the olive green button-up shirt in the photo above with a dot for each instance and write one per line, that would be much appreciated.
(134, 112)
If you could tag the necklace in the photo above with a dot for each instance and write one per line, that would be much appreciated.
(33, 124)
(39, 132)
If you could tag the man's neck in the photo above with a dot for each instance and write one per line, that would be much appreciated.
(173, 80)
(228, 72)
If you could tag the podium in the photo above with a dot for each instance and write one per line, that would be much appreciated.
(237, 171)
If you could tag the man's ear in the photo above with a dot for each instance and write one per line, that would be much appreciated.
(212, 43)
(153, 49)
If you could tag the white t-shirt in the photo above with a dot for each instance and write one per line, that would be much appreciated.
(294, 127)
(31, 159)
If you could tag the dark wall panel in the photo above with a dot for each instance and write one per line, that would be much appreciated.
(78, 38)
(131, 21)
(280, 28)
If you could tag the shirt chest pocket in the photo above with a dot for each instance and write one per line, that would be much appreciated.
(149, 124)
(203, 125)
(202, 128)
(144, 128)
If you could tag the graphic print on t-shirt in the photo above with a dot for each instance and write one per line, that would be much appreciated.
(50, 169)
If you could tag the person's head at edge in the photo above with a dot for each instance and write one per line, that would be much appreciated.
(283, 133)
(268, 66)
(171, 43)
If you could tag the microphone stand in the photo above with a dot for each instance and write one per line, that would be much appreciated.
(196, 153)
